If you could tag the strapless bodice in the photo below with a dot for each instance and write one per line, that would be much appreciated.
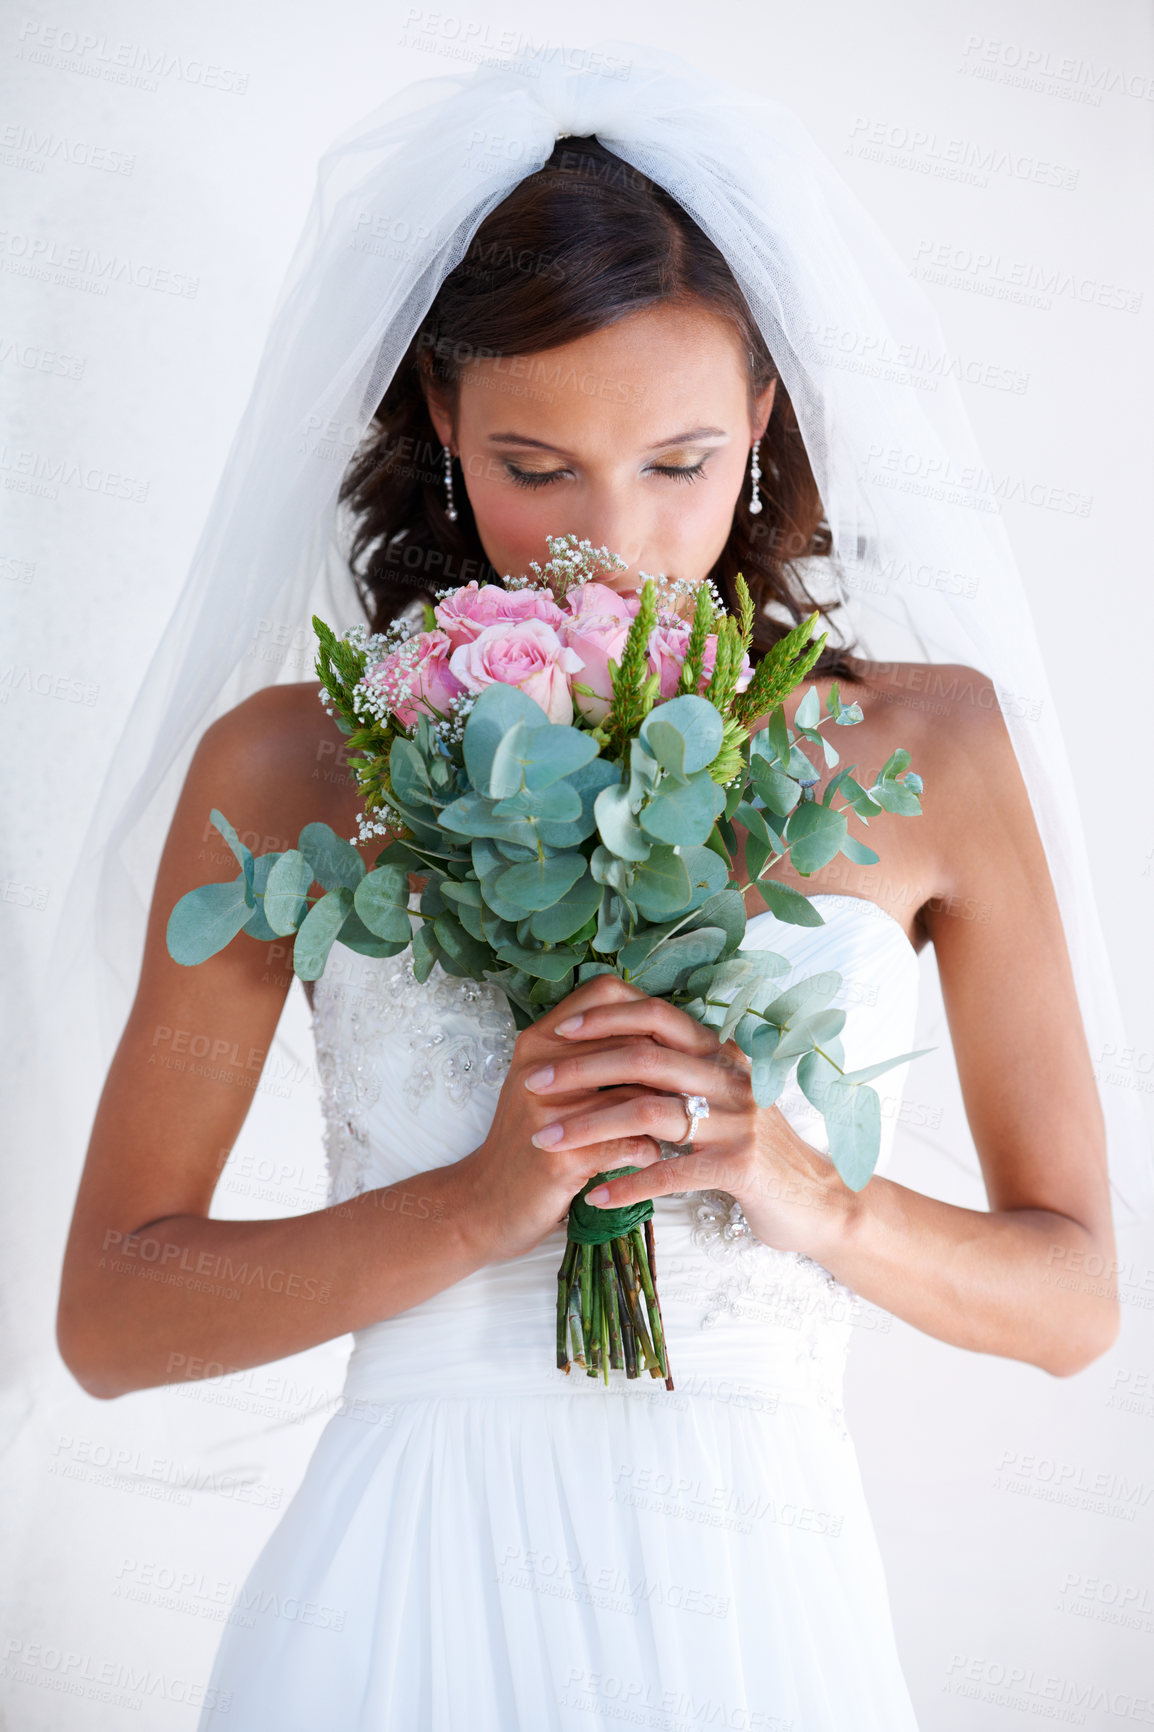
(410, 1074)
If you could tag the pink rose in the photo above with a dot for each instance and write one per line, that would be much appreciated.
(416, 678)
(598, 598)
(596, 626)
(709, 659)
(596, 637)
(527, 654)
(470, 610)
(668, 645)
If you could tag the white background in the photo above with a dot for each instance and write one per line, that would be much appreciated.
(1015, 1511)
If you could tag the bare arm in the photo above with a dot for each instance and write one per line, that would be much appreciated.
(1019, 1278)
(997, 1280)
(153, 1290)
(150, 1283)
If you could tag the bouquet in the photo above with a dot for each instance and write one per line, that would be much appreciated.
(569, 827)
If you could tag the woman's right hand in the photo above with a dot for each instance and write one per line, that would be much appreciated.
(512, 1192)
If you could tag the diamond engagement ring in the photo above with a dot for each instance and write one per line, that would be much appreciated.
(697, 1107)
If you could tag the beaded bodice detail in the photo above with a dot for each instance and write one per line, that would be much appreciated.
(411, 1072)
(451, 1037)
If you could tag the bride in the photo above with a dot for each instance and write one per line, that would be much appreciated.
(483, 1541)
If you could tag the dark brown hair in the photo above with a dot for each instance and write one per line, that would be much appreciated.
(582, 242)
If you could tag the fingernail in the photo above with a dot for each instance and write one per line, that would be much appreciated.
(540, 1079)
(570, 1024)
(599, 1196)
(546, 1138)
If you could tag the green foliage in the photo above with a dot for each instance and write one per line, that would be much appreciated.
(634, 687)
(779, 672)
(553, 853)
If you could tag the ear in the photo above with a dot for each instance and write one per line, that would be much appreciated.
(437, 404)
(761, 409)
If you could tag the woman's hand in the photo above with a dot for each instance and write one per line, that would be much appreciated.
(515, 1190)
(792, 1195)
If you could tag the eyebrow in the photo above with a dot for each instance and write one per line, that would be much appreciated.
(688, 437)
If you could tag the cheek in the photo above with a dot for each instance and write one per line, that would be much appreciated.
(698, 515)
(512, 522)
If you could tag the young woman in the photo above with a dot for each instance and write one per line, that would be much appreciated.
(505, 1546)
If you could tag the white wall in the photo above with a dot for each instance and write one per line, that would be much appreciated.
(1014, 1510)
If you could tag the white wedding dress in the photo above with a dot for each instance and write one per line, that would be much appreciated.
(490, 1545)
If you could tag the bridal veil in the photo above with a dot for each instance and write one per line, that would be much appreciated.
(925, 571)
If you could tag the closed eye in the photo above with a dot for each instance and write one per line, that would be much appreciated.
(542, 477)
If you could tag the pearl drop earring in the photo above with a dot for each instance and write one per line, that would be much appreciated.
(754, 478)
(450, 508)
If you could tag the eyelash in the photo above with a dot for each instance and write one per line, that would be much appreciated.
(525, 478)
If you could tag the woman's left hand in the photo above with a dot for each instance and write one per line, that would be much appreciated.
(791, 1194)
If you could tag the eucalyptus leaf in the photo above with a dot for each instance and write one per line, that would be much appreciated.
(538, 883)
(381, 902)
(788, 904)
(896, 797)
(355, 935)
(872, 1070)
(334, 861)
(507, 768)
(698, 722)
(808, 712)
(815, 834)
(775, 789)
(570, 914)
(676, 958)
(685, 813)
(540, 964)
(661, 885)
(497, 710)
(611, 933)
(559, 801)
(241, 850)
(858, 852)
(618, 828)
(286, 891)
(205, 920)
(318, 930)
(257, 926)
(468, 952)
(426, 951)
(769, 1072)
(853, 1123)
(667, 744)
(558, 751)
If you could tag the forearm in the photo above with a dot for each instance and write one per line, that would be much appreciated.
(186, 1292)
(991, 1281)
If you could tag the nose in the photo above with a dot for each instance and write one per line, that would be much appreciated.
(611, 525)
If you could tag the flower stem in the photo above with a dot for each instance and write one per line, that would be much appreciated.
(654, 1308)
(564, 1278)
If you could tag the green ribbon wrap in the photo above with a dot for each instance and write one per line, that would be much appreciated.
(589, 1225)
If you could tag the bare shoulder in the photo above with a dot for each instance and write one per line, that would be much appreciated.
(284, 754)
(947, 715)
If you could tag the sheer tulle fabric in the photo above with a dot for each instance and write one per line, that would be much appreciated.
(926, 569)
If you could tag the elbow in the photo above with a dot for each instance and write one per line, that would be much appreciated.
(79, 1345)
(1081, 1351)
